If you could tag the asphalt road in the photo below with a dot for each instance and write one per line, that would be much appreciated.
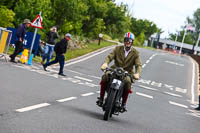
(35, 101)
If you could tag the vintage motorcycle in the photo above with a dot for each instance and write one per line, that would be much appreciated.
(115, 88)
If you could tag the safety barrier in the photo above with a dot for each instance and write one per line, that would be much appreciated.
(5, 38)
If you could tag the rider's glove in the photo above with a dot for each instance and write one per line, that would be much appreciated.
(104, 66)
(136, 76)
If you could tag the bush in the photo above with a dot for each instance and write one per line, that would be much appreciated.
(106, 37)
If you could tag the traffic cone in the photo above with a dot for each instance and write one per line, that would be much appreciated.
(30, 60)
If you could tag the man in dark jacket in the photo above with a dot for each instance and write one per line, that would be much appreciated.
(52, 35)
(20, 35)
(60, 49)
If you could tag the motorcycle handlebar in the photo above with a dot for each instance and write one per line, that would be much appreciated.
(126, 73)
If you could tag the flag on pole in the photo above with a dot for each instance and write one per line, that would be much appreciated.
(179, 34)
(199, 37)
(189, 27)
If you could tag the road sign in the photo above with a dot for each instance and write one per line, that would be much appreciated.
(37, 22)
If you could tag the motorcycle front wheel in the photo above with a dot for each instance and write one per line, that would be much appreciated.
(109, 104)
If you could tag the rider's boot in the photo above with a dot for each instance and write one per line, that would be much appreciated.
(124, 100)
(99, 102)
(102, 93)
(123, 108)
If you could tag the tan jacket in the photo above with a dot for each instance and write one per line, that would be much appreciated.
(128, 63)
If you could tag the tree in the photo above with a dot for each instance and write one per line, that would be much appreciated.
(6, 17)
(145, 26)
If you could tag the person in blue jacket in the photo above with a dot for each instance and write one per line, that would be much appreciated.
(20, 35)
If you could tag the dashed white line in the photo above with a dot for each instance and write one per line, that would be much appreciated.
(172, 94)
(75, 72)
(89, 80)
(97, 91)
(66, 99)
(87, 94)
(151, 57)
(148, 88)
(178, 104)
(144, 95)
(33, 107)
(147, 61)
(143, 65)
(94, 77)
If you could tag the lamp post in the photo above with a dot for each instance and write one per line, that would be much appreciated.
(100, 37)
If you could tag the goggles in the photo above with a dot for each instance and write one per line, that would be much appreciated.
(128, 40)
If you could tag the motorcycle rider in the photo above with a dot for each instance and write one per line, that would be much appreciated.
(126, 57)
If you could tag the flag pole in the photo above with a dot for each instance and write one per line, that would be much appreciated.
(176, 37)
(182, 42)
(195, 52)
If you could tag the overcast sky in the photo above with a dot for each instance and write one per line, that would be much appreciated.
(169, 15)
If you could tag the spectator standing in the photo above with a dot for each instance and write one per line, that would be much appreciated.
(60, 49)
(52, 35)
(20, 35)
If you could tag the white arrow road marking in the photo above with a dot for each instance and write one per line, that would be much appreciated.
(180, 90)
(33, 107)
(144, 95)
(66, 99)
(89, 80)
(172, 94)
(178, 104)
(87, 94)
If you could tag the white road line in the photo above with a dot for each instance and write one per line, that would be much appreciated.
(193, 79)
(33, 107)
(97, 91)
(148, 88)
(144, 95)
(94, 77)
(174, 63)
(143, 65)
(87, 94)
(147, 61)
(151, 57)
(172, 94)
(89, 80)
(66, 99)
(75, 72)
(88, 57)
(178, 104)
